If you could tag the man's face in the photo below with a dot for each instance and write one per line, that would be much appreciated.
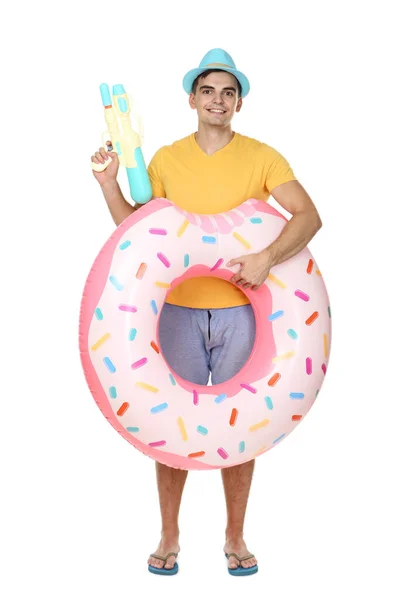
(216, 99)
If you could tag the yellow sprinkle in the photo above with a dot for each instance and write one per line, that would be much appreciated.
(325, 345)
(183, 227)
(276, 280)
(161, 284)
(101, 341)
(259, 425)
(182, 429)
(146, 386)
(242, 240)
(283, 356)
(318, 272)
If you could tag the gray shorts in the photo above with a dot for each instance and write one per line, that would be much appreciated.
(196, 342)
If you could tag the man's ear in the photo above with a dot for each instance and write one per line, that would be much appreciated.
(239, 104)
(192, 103)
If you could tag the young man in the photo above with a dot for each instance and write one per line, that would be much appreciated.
(212, 171)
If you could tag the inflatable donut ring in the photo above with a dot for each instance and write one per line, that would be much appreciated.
(173, 421)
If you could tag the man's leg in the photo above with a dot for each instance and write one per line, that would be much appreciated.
(182, 344)
(231, 341)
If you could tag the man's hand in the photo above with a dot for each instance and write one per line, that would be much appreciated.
(254, 269)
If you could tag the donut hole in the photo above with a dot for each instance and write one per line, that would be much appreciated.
(206, 346)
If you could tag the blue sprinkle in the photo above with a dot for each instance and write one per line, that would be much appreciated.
(296, 395)
(133, 429)
(242, 446)
(292, 334)
(316, 393)
(186, 260)
(220, 398)
(159, 408)
(113, 392)
(98, 314)
(125, 245)
(279, 438)
(276, 315)
(109, 364)
(154, 307)
(268, 402)
(256, 220)
(208, 239)
(132, 334)
(116, 283)
(202, 430)
(172, 379)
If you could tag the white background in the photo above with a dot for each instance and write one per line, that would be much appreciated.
(79, 507)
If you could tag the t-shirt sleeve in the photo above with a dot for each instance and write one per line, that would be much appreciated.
(278, 170)
(155, 175)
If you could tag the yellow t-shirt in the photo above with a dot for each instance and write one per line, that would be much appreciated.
(182, 172)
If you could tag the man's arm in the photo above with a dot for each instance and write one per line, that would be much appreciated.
(119, 208)
(295, 236)
(301, 228)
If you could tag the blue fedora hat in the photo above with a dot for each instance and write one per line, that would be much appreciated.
(220, 60)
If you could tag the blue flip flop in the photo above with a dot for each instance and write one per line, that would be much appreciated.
(241, 570)
(164, 571)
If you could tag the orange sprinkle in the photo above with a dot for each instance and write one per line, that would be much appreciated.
(122, 409)
(259, 425)
(326, 345)
(310, 266)
(141, 271)
(234, 415)
(312, 318)
(318, 272)
(196, 454)
(297, 417)
(274, 379)
(155, 347)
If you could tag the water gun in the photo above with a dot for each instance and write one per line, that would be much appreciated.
(125, 141)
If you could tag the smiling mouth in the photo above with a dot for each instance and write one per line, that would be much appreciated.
(216, 111)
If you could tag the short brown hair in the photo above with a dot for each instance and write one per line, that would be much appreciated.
(206, 73)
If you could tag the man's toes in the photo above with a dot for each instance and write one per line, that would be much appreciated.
(170, 562)
(247, 564)
(233, 563)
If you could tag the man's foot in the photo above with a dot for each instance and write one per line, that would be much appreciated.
(239, 547)
(167, 545)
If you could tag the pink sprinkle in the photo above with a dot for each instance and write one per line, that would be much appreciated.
(195, 397)
(217, 264)
(127, 308)
(163, 259)
(139, 363)
(160, 443)
(158, 231)
(308, 366)
(223, 454)
(302, 295)
(323, 367)
(248, 388)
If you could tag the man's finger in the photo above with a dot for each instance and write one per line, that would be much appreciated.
(235, 261)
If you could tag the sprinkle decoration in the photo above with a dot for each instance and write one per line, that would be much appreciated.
(155, 231)
(163, 259)
(223, 453)
(276, 281)
(141, 271)
(217, 264)
(155, 347)
(248, 387)
(302, 295)
(182, 429)
(310, 266)
(274, 379)
(312, 318)
(196, 454)
(234, 416)
(183, 228)
(127, 308)
(241, 239)
(139, 363)
(122, 409)
(101, 341)
(308, 366)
